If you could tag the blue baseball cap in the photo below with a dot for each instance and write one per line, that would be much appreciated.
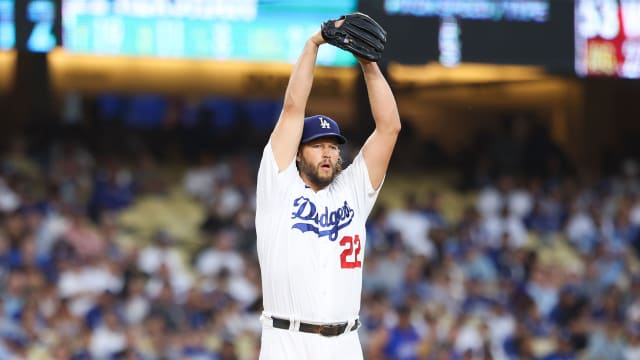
(318, 126)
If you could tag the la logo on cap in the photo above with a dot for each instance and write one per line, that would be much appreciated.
(324, 123)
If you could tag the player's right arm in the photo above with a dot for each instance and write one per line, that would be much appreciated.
(286, 135)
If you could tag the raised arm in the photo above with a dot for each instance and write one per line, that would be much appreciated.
(286, 135)
(379, 146)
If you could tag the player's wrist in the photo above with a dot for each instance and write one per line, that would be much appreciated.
(366, 65)
(316, 40)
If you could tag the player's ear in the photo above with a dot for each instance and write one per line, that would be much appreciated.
(299, 153)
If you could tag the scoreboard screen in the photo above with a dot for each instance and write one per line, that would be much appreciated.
(516, 32)
(250, 30)
(7, 25)
(39, 25)
(607, 37)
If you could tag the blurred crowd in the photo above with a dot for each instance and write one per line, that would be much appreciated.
(529, 271)
(533, 267)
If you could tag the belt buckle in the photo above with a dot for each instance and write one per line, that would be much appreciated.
(331, 329)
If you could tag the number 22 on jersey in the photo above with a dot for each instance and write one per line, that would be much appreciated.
(350, 257)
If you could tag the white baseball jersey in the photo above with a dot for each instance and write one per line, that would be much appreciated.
(311, 245)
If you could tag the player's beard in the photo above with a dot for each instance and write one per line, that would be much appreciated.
(312, 172)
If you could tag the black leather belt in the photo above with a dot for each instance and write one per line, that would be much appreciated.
(324, 330)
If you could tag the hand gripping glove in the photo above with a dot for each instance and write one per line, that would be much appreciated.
(358, 34)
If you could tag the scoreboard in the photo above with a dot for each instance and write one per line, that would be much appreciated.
(607, 38)
(39, 23)
(516, 32)
(7, 25)
(583, 37)
(31, 25)
(249, 30)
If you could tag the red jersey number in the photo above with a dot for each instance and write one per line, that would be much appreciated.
(350, 256)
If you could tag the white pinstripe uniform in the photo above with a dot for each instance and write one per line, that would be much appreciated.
(311, 250)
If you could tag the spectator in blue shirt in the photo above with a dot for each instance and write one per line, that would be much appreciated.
(403, 338)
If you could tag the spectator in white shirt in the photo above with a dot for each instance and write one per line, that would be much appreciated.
(505, 222)
(220, 254)
(413, 227)
(162, 256)
(109, 338)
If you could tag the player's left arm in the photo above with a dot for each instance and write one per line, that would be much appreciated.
(378, 148)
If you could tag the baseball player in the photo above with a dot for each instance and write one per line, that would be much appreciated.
(310, 219)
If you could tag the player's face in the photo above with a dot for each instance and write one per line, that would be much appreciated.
(319, 161)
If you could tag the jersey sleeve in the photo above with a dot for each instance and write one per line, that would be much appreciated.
(272, 183)
(356, 179)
